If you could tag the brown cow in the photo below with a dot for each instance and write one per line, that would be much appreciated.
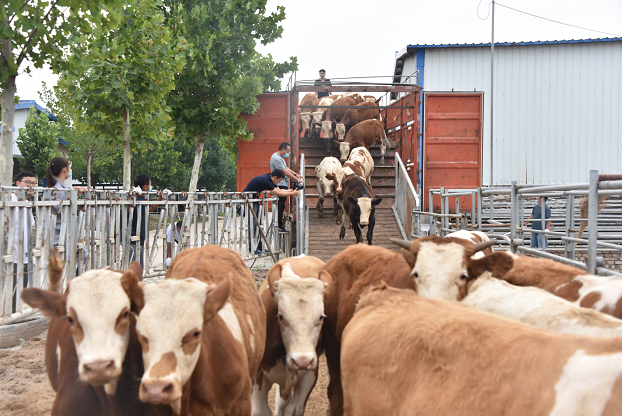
(352, 270)
(305, 113)
(365, 134)
(352, 117)
(332, 116)
(202, 330)
(92, 355)
(358, 207)
(406, 354)
(292, 294)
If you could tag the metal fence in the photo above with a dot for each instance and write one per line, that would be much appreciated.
(593, 209)
(302, 215)
(407, 201)
(96, 231)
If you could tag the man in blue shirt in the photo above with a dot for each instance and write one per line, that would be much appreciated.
(277, 161)
(536, 214)
(267, 182)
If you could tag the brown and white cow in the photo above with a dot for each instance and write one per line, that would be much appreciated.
(371, 99)
(92, 354)
(365, 134)
(407, 354)
(475, 237)
(443, 267)
(359, 163)
(358, 98)
(352, 117)
(333, 116)
(353, 270)
(305, 113)
(318, 116)
(326, 172)
(293, 296)
(202, 330)
(539, 308)
(359, 207)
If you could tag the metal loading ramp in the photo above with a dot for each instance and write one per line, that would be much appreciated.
(324, 240)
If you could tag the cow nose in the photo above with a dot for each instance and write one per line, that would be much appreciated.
(303, 362)
(363, 223)
(99, 371)
(158, 391)
(327, 194)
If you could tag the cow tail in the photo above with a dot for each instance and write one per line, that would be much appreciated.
(55, 272)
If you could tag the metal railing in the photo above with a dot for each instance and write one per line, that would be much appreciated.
(96, 231)
(406, 201)
(501, 214)
(302, 215)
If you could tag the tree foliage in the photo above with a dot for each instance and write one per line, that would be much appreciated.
(38, 142)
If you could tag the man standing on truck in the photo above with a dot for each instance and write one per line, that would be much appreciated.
(322, 80)
(277, 161)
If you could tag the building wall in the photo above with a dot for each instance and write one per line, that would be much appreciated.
(557, 108)
(20, 123)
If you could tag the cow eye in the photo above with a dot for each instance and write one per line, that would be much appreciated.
(320, 320)
(282, 319)
(416, 274)
(70, 319)
(464, 276)
(196, 334)
(126, 314)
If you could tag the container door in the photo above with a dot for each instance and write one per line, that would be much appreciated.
(452, 136)
(269, 126)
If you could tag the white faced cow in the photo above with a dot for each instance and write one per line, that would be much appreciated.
(326, 171)
(293, 295)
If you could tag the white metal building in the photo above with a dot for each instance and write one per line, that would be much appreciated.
(22, 110)
(557, 104)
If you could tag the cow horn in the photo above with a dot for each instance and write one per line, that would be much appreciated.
(484, 245)
(402, 243)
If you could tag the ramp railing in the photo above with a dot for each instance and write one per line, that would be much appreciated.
(302, 215)
(407, 202)
(96, 230)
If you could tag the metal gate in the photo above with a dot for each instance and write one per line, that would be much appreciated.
(452, 146)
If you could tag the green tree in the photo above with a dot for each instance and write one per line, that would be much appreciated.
(224, 72)
(38, 142)
(120, 78)
(38, 31)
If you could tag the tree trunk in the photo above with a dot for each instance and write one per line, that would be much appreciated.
(89, 157)
(198, 155)
(8, 120)
(127, 155)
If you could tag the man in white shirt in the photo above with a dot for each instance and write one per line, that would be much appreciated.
(169, 239)
(23, 179)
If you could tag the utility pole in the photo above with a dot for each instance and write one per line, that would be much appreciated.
(492, 90)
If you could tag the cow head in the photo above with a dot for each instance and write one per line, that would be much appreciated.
(327, 129)
(363, 207)
(443, 267)
(97, 306)
(344, 149)
(340, 128)
(300, 313)
(170, 329)
(305, 120)
(317, 116)
(337, 180)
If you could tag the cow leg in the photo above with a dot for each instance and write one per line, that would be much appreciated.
(357, 232)
(370, 229)
(336, 208)
(383, 149)
(342, 232)
(327, 144)
(306, 382)
(259, 398)
(320, 207)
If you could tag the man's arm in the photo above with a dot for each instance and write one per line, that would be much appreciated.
(284, 192)
(291, 174)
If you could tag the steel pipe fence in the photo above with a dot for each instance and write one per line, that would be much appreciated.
(95, 231)
(503, 213)
(407, 201)
(302, 214)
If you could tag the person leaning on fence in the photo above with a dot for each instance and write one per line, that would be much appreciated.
(277, 161)
(170, 237)
(322, 80)
(142, 185)
(266, 182)
(536, 215)
(23, 179)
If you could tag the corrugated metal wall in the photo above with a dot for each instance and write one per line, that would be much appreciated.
(558, 108)
(19, 123)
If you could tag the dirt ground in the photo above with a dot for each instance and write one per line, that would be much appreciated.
(25, 389)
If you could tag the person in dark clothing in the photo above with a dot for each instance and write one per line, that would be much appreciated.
(537, 239)
(322, 80)
(266, 182)
(142, 183)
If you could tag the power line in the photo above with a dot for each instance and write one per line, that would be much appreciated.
(555, 21)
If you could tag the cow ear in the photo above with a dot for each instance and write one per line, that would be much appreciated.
(137, 269)
(376, 201)
(216, 298)
(52, 304)
(273, 277)
(352, 200)
(325, 278)
(497, 263)
(133, 286)
(410, 258)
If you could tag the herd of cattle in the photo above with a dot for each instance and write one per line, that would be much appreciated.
(351, 127)
(446, 327)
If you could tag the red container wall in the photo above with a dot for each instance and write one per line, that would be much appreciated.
(452, 144)
(269, 128)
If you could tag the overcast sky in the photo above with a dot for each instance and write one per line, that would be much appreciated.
(359, 38)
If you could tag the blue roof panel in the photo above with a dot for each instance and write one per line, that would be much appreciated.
(23, 104)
